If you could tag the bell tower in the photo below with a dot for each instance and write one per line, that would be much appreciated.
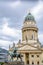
(29, 29)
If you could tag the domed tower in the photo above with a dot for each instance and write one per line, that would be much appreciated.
(29, 30)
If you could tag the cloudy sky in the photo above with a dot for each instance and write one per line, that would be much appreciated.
(12, 15)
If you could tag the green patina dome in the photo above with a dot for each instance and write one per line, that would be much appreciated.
(29, 17)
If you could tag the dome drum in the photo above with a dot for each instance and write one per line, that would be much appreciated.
(29, 28)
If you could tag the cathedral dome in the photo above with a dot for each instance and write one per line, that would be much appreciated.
(29, 21)
(29, 17)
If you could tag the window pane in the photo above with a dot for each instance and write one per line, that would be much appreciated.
(32, 63)
(37, 55)
(32, 55)
(38, 63)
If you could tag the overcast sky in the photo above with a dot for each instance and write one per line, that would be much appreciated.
(12, 15)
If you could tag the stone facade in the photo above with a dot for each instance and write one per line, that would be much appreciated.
(30, 47)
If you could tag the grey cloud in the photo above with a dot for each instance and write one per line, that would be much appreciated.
(19, 0)
(40, 24)
(16, 16)
(8, 38)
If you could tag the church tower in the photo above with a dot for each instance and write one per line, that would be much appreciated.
(30, 48)
(29, 30)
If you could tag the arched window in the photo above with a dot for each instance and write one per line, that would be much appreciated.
(32, 55)
(38, 63)
(26, 38)
(32, 63)
(27, 61)
(37, 55)
(32, 37)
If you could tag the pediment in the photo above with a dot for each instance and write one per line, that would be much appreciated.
(27, 47)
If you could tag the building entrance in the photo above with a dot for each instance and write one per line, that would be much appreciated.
(27, 58)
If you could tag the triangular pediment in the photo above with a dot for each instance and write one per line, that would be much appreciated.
(27, 47)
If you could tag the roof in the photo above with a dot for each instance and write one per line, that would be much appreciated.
(29, 17)
(29, 48)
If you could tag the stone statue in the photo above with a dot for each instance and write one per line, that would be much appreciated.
(26, 39)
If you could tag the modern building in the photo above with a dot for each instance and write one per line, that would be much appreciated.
(3, 55)
(30, 46)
